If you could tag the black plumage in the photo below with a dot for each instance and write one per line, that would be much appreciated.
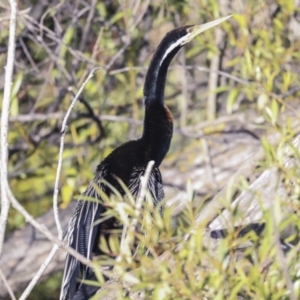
(128, 163)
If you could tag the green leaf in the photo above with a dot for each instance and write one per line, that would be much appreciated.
(231, 99)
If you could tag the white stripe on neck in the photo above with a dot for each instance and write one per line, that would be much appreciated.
(173, 46)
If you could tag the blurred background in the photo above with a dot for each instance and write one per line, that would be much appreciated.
(226, 89)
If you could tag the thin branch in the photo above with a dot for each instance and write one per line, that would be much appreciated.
(19, 13)
(61, 150)
(212, 209)
(55, 197)
(144, 182)
(10, 291)
(87, 25)
(58, 115)
(117, 55)
(42, 228)
(55, 193)
(67, 116)
(39, 273)
(4, 119)
(126, 236)
(28, 55)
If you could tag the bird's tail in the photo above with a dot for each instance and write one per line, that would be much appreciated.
(257, 228)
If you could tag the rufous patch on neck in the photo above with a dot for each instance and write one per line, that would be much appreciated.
(168, 115)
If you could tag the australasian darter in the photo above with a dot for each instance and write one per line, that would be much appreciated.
(128, 163)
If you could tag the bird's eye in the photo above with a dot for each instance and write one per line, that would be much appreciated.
(189, 29)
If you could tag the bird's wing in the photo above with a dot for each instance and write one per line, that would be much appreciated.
(154, 184)
(81, 235)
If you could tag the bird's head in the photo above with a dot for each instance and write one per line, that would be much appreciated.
(178, 37)
(166, 50)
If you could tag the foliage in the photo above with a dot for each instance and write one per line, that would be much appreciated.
(184, 263)
(59, 42)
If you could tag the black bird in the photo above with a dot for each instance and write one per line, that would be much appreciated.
(128, 163)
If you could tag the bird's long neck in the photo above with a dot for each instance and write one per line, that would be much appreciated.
(158, 123)
(154, 87)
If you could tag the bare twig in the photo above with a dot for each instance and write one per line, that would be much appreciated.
(4, 119)
(55, 193)
(42, 228)
(59, 115)
(28, 55)
(117, 55)
(61, 150)
(87, 25)
(140, 14)
(141, 197)
(39, 273)
(55, 196)
(126, 236)
(66, 118)
(35, 27)
(10, 291)
(211, 210)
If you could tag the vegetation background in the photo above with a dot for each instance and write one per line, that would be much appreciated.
(227, 90)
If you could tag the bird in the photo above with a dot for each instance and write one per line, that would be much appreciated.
(127, 163)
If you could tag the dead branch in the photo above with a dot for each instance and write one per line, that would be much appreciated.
(4, 119)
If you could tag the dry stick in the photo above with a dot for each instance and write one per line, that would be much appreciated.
(28, 56)
(188, 67)
(19, 13)
(44, 230)
(4, 119)
(39, 273)
(140, 15)
(64, 124)
(139, 201)
(55, 195)
(127, 43)
(58, 115)
(87, 25)
(211, 210)
(30, 23)
(61, 149)
(185, 131)
(56, 247)
(10, 291)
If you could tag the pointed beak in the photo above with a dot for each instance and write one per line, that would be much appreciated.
(197, 29)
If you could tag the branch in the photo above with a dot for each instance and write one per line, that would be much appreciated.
(129, 230)
(56, 247)
(10, 291)
(40, 272)
(4, 119)
(213, 208)
(59, 115)
(42, 228)
(19, 267)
